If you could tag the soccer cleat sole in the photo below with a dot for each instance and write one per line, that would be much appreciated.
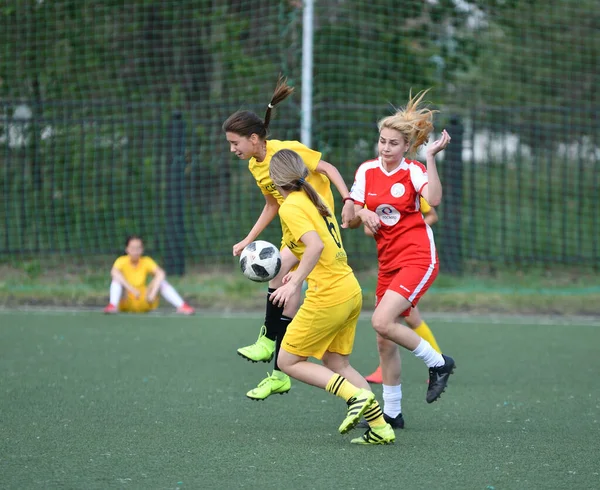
(252, 360)
(382, 443)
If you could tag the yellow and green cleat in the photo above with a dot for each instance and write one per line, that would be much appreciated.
(376, 436)
(260, 351)
(276, 383)
(357, 406)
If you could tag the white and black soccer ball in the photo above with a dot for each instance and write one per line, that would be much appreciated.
(260, 261)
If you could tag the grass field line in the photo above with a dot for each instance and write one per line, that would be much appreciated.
(450, 317)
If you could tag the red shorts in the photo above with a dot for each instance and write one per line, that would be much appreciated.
(411, 282)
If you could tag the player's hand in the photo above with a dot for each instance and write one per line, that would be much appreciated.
(348, 213)
(439, 144)
(239, 247)
(368, 232)
(370, 219)
(150, 297)
(287, 277)
(283, 293)
(136, 293)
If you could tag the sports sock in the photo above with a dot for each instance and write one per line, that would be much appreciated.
(340, 386)
(429, 356)
(168, 292)
(374, 415)
(279, 374)
(116, 290)
(392, 400)
(424, 332)
(272, 315)
(281, 326)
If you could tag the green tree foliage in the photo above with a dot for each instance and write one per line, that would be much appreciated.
(540, 59)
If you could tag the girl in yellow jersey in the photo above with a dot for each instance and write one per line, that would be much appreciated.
(325, 325)
(247, 136)
(129, 289)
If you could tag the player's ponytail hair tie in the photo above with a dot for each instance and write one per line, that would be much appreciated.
(301, 181)
(270, 106)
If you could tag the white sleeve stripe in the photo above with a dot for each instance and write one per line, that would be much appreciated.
(357, 192)
(417, 176)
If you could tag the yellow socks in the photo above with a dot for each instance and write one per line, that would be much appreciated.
(425, 333)
(340, 386)
(374, 415)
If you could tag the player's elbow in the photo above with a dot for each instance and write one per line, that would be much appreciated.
(435, 200)
(315, 248)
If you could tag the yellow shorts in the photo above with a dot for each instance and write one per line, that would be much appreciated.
(131, 304)
(316, 330)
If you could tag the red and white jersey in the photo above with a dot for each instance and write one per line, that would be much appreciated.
(403, 238)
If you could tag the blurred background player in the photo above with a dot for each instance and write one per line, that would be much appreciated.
(247, 136)
(129, 289)
(413, 320)
(325, 325)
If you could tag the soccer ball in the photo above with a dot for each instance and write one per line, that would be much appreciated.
(260, 261)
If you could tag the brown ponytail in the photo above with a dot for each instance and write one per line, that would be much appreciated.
(247, 123)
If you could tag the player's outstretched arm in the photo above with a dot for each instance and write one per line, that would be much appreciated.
(433, 191)
(266, 216)
(333, 174)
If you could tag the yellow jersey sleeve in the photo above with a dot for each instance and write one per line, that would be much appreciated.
(425, 207)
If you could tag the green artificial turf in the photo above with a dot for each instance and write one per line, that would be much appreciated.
(158, 402)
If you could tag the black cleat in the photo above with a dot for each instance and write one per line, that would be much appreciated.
(396, 422)
(438, 379)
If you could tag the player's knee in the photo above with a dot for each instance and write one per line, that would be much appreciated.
(381, 325)
(284, 361)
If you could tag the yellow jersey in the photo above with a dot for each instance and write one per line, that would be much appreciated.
(332, 281)
(260, 170)
(137, 274)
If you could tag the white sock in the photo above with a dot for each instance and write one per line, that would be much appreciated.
(392, 400)
(429, 355)
(170, 294)
(116, 291)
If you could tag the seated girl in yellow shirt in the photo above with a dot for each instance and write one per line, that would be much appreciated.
(129, 291)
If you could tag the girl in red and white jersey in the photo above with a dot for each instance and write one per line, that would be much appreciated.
(386, 192)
